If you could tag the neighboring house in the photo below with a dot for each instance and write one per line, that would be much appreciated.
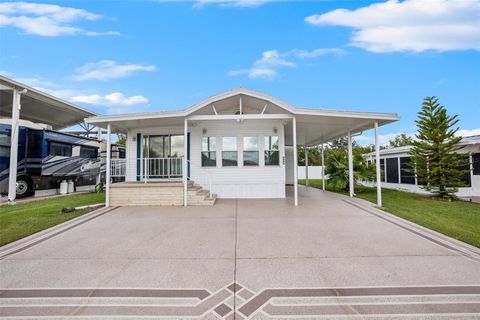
(394, 167)
(237, 147)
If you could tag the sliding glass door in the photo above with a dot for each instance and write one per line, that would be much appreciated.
(164, 155)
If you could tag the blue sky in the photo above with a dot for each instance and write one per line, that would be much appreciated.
(129, 56)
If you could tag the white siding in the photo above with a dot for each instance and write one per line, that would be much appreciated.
(239, 182)
(131, 156)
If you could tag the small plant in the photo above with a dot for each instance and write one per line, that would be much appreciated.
(99, 188)
(337, 169)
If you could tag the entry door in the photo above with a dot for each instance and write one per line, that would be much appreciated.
(164, 153)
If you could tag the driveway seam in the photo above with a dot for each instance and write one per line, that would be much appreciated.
(235, 261)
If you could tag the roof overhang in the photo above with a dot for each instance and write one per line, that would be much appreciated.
(40, 107)
(314, 126)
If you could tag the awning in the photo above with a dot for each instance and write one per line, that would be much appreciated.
(41, 107)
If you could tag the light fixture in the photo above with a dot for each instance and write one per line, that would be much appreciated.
(204, 131)
(275, 130)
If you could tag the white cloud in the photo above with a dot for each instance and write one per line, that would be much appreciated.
(46, 20)
(232, 3)
(272, 61)
(468, 132)
(410, 25)
(115, 102)
(112, 99)
(108, 69)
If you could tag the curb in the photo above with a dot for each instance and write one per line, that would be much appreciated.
(436, 237)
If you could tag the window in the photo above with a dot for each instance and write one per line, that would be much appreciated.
(209, 152)
(382, 170)
(4, 145)
(476, 164)
(406, 176)
(250, 151)
(392, 170)
(60, 149)
(35, 144)
(176, 146)
(88, 152)
(229, 152)
(271, 151)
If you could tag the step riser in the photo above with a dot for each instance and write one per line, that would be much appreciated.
(157, 195)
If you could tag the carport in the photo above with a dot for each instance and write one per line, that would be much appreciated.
(18, 101)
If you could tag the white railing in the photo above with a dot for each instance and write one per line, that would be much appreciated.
(118, 167)
(204, 179)
(162, 168)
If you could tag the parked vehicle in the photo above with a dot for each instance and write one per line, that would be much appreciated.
(47, 157)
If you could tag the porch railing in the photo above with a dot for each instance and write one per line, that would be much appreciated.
(118, 167)
(162, 168)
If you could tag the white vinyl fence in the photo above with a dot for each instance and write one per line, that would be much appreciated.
(314, 172)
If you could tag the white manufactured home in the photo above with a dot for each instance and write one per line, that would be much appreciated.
(237, 144)
(395, 172)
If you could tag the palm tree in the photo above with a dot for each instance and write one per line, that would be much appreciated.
(337, 169)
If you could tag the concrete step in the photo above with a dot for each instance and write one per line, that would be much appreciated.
(158, 193)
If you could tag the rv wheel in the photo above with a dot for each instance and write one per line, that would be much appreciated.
(24, 187)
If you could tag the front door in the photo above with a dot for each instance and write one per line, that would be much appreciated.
(164, 155)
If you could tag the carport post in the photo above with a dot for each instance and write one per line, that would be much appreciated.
(185, 150)
(350, 163)
(295, 162)
(99, 138)
(377, 165)
(323, 169)
(12, 175)
(306, 164)
(109, 165)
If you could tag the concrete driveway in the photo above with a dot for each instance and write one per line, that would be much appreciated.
(330, 257)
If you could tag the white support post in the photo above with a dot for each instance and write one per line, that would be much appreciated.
(323, 169)
(99, 139)
(305, 149)
(470, 159)
(109, 165)
(377, 166)
(185, 173)
(399, 168)
(295, 162)
(241, 107)
(350, 164)
(12, 177)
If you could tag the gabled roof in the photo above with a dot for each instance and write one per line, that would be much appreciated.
(315, 126)
(247, 92)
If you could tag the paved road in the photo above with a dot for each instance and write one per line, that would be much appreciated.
(329, 257)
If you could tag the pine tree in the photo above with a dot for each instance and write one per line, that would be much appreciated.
(434, 155)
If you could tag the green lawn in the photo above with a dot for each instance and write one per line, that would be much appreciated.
(457, 219)
(24, 219)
